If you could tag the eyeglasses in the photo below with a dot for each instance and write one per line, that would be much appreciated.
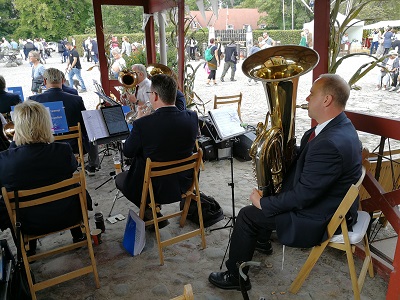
(152, 93)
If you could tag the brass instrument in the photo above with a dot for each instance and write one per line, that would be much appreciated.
(9, 131)
(128, 79)
(152, 69)
(156, 69)
(273, 150)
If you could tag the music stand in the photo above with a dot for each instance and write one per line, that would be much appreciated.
(228, 127)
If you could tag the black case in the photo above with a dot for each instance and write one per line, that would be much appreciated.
(242, 147)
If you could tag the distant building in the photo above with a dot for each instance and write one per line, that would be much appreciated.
(233, 18)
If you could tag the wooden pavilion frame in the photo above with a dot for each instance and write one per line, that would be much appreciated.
(386, 128)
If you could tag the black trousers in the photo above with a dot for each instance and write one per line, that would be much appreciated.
(251, 225)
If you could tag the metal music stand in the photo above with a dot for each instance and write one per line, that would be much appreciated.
(228, 127)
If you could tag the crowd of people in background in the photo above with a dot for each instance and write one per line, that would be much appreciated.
(387, 44)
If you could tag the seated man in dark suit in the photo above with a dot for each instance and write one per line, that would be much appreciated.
(73, 106)
(324, 169)
(165, 135)
(7, 99)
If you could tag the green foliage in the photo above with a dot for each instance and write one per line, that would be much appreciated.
(8, 18)
(122, 19)
(274, 16)
(51, 19)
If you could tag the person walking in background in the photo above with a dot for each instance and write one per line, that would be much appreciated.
(94, 50)
(231, 57)
(193, 48)
(376, 35)
(28, 47)
(61, 49)
(254, 49)
(387, 39)
(74, 68)
(88, 44)
(309, 38)
(213, 64)
(37, 72)
(126, 46)
(303, 39)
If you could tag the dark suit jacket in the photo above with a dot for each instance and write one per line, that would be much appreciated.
(34, 165)
(316, 184)
(7, 100)
(167, 134)
(69, 90)
(73, 106)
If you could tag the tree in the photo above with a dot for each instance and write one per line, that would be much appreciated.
(52, 19)
(8, 18)
(122, 19)
(274, 9)
(380, 10)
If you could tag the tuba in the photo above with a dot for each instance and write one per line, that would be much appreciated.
(273, 150)
(156, 69)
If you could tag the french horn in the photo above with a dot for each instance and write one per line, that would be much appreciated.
(273, 150)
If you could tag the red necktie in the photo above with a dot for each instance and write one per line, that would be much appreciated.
(312, 135)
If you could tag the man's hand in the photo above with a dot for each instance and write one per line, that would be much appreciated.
(132, 99)
(255, 198)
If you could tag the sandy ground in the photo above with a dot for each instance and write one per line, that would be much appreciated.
(141, 277)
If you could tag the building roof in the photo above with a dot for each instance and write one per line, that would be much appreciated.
(237, 18)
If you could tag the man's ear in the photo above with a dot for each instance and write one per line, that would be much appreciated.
(328, 100)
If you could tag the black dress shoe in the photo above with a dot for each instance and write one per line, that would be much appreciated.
(227, 281)
(148, 215)
(265, 248)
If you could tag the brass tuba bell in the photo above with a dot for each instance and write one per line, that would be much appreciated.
(128, 79)
(156, 69)
(273, 150)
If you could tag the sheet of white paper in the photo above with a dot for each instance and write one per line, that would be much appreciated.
(95, 125)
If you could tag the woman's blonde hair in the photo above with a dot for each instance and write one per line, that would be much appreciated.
(32, 123)
(35, 54)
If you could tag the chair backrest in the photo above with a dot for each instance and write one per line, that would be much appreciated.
(69, 187)
(157, 169)
(345, 205)
(220, 100)
(74, 132)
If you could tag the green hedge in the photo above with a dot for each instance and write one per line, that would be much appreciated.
(286, 37)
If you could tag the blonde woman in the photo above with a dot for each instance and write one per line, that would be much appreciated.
(37, 72)
(34, 160)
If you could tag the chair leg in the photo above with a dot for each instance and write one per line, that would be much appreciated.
(307, 267)
(27, 269)
(368, 253)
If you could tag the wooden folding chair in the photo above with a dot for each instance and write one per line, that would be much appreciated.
(187, 293)
(74, 132)
(157, 169)
(344, 242)
(68, 187)
(220, 100)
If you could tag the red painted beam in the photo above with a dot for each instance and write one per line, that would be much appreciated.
(381, 126)
(321, 36)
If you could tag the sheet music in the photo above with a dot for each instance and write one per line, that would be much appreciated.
(227, 122)
(135, 234)
(95, 125)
